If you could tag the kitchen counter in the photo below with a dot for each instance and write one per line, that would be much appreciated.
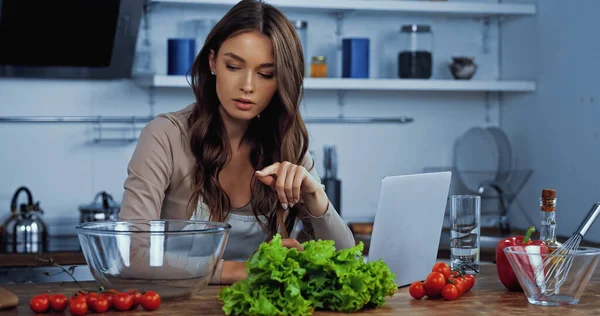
(33, 259)
(34, 267)
(65, 250)
(487, 296)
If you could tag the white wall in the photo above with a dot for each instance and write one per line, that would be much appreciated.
(64, 168)
(555, 131)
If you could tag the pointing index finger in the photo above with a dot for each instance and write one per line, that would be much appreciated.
(268, 170)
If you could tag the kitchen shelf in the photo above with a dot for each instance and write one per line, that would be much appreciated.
(417, 85)
(145, 119)
(423, 7)
(158, 81)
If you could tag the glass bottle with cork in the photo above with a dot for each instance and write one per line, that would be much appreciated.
(548, 212)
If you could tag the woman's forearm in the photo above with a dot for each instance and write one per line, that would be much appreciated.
(317, 202)
(327, 223)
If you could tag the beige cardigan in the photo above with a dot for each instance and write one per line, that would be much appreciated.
(159, 183)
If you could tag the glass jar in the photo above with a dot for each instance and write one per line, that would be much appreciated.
(318, 67)
(202, 28)
(415, 59)
(198, 29)
(302, 30)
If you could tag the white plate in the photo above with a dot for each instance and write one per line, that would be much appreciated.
(476, 158)
(506, 158)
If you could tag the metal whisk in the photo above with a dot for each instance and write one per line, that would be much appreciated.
(555, 268)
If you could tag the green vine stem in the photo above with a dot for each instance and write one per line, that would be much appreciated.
(70, 271)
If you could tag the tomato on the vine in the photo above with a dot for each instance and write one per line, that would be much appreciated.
(442, 268)
(435, 281)
(449, 292)
(58, 302)
(150, 300)
(417, 290)
(442, 281)
(137, 298)
(123, 301)
(91, 298)
(471, 280)
(82, 302)
(46, 295)
(78, 307)
(77, 296)
(100, 305)
(39, 303)
(109, 296)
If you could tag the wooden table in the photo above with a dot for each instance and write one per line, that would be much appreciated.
(488, 297)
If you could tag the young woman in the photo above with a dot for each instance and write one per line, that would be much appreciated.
(239, 153)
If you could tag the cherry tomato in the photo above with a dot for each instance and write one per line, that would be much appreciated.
(39, 303)
(109, 296)
(442, 268)
(456, 282)
(100, 305)
(150, 301)
(123, 301)
(461, 285)
(431, 293)
(449, 292)
(436, 281)
(77, 296)
(78, 307)
(91, 298)
(137, 298)
(46, 295)
(471, 281)
(417, 290)
(58, 302)
(464, 284)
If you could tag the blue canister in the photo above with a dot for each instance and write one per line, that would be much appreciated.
(180, 55)
(355, 56)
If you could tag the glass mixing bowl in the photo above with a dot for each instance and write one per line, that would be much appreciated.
(539, 279)
(175, 258)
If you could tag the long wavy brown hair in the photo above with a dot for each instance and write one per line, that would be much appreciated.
(277, 135)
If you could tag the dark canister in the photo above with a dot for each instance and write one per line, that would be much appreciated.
(415, 60)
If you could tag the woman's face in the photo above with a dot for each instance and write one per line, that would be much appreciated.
(245, 74)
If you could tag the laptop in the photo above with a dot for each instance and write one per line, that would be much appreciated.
(408, 224)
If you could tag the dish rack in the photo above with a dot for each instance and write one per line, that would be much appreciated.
(497, 196)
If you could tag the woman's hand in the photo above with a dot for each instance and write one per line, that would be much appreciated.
(292, 183)
(292, 243)
(234, 271)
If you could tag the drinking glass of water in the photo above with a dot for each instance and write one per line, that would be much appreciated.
(465, 211)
